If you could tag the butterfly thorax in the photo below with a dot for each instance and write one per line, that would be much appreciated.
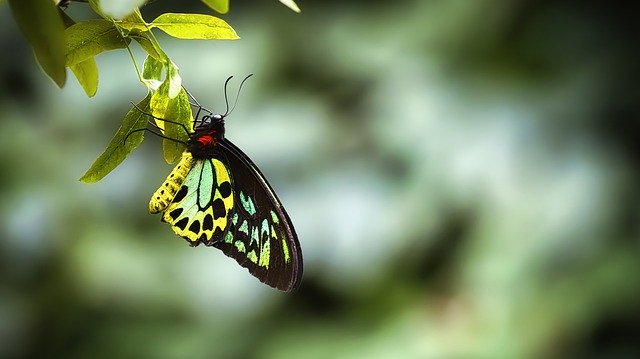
(203, 142)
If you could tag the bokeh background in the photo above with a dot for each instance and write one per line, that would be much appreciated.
(462, 176)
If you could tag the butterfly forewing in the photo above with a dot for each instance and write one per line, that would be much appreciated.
(260, 235)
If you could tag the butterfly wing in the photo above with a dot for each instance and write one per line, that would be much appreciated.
(199, 210)
(260, 236)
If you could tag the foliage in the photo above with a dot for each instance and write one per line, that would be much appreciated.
(59, 42)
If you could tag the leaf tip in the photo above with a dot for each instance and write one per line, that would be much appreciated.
(87, 179)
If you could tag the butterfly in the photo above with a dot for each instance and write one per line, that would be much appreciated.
(218, 197)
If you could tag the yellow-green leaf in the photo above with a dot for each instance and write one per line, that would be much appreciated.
(124, 141)
(178, 111)
(221, 6)
(152, 72)
(159, 102)
(87, 74)
(89, 38)
(175, 81)
(194, 26)
(42, 26)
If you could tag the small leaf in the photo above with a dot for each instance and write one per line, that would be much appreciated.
(175, 81)
(194, 26)
(152, 72)
(87, 74)
(169, 89)
(118, 148)
(291, 4)
(221, 6)
(179, 111)
(89, 38)
(159, 102)
(42, 26)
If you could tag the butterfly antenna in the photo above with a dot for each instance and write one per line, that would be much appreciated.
(238, 94)
(226, 98)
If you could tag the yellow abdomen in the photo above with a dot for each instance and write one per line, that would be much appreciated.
(165, 194)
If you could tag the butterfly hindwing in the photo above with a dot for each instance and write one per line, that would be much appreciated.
(260, 236)
(200, 209)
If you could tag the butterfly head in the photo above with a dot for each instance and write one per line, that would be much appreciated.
(207, 121)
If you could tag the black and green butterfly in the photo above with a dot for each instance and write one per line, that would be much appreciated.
(217, 196)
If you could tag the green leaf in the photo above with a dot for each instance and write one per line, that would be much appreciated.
(291, 4)
(152, 72)
(221, 6)
(179, 111)
(194, 26)
(160, 101)
(168, 90)
(89, 38)
(175, 81)
(87, 74)
(118, 148)
(42, 26)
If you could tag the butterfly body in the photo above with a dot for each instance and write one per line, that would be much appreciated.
(216, 196)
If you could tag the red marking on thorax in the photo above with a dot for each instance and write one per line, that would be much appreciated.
(206, 140)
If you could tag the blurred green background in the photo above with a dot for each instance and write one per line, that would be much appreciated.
(462, 176)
